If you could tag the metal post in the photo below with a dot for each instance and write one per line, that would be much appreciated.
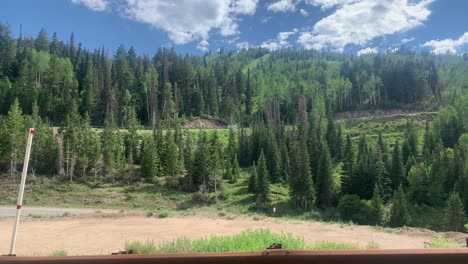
(21, 191)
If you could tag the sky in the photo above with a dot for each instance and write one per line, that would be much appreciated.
(199, 26)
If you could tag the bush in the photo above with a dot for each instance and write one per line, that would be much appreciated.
(163, 214)
(351, 208)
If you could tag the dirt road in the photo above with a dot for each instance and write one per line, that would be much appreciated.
(103, 234)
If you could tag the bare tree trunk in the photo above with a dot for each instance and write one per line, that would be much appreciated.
(60, 160)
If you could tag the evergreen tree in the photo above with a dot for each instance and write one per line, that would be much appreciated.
(348, 165)
(301, 185)
(253, 180)
(324, 179)
(263, 184)
(235, 170)
(397, 169)
(377, 211)
(150, 164)
(399, 215)
(455, 214)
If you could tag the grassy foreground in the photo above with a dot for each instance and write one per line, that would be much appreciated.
(248, 240)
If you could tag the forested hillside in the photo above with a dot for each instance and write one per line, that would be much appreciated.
(282, 103)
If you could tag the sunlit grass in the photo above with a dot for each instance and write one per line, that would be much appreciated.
(248, 240)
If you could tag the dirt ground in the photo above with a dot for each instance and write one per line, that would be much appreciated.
(105, 233)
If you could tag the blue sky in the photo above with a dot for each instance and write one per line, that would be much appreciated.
(195, 26)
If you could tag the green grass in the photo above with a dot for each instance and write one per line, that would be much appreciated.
(442, 242)
(59, 253)
(248, 240)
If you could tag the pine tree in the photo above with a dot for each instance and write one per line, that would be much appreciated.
(324, 179)
(455, 214)
(301, 185)
(399, 215)
(150, 164)
(263, 184)
(235, 170)
(253, 180)
(348, 166)
(377, 209)
(397, 170)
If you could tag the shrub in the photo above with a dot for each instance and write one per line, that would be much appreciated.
(351, 208)
(163, 214)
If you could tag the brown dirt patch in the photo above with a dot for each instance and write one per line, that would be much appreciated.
(104, 233)
(204, 123)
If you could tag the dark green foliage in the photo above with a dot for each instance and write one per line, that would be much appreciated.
(351, 208)
(252, 187)
(150, 163)
(399, 215)
(263, 184)
(301, 184)
(397, 174)
(455, 214)
(377, 210)
(324, 179)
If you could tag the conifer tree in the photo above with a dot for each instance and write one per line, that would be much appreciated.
(399, 215)
(253, 179)
(150, 164)
(235, 170)
(263, 184)
(455, 214)
(301, 185)
(377, 209)
(348, 166)
(324, 179)
(397, 170)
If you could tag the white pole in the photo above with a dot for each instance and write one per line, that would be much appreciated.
(21, 191)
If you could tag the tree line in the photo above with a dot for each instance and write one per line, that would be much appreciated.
(234, 86)
(283, 102)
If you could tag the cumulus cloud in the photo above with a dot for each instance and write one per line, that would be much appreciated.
(447, 45)
(367, 50)
(203, 45)
(184, 20)
(96, 5)
(243, 45)
(282, 6)
(281, 40)
(359, 21)
(303, 12)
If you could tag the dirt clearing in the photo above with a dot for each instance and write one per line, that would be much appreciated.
(103, 234)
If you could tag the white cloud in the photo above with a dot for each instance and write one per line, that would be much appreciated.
(245, 7)
(184, 20)
(243, 45)
(203, 45)
(95, 5)
(282, 6)
(281, 40)
(447, 45)
(367, 51)
(325, 4)
(359, 21)
(406, 40)
(303, 12)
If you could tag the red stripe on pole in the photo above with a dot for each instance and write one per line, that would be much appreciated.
(18, 207)
(31, 131)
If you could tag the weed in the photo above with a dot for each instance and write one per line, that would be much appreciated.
(60, 253)
(248, 240)
(372, 245)
(442, 242)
